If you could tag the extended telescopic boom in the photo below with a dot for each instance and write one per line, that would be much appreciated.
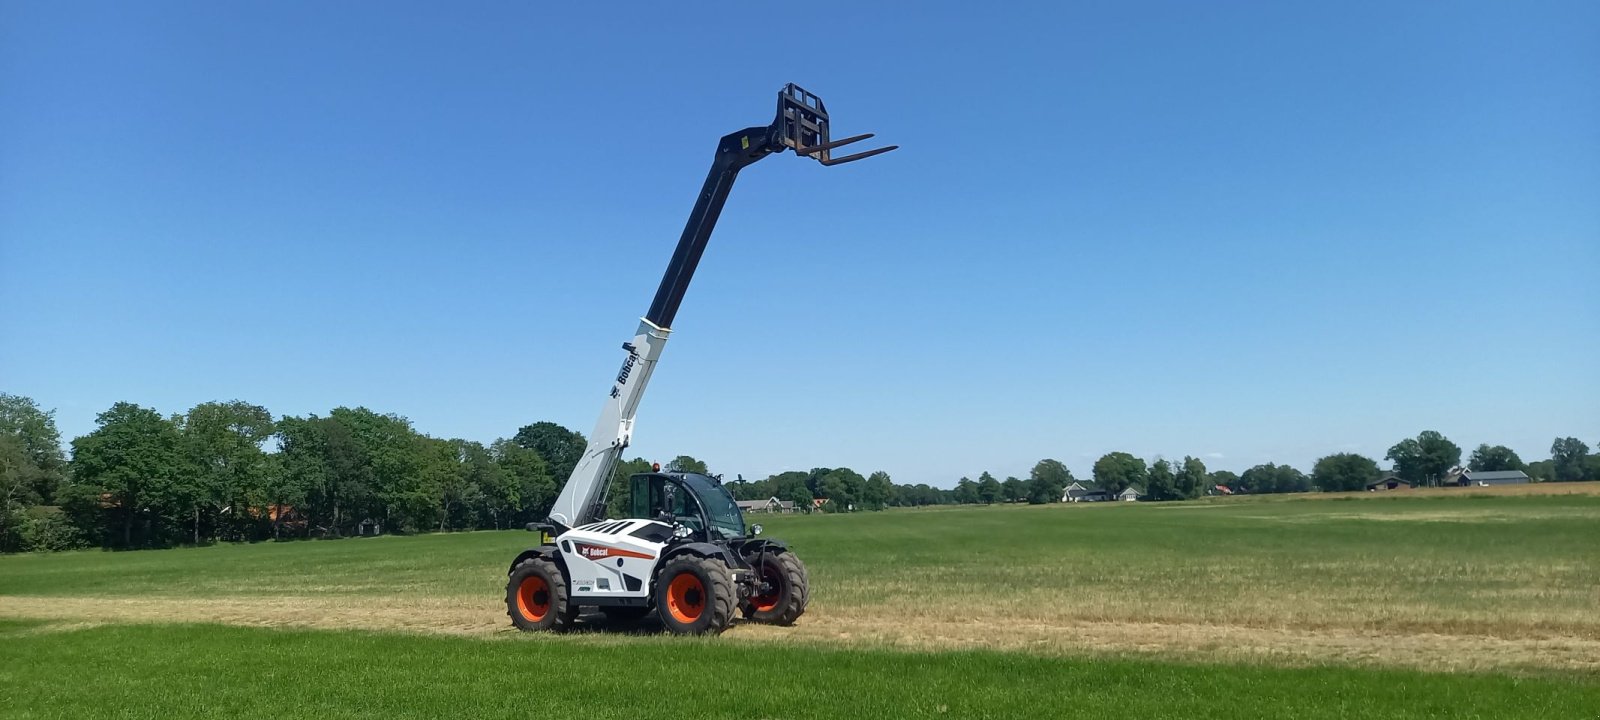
(801, 125)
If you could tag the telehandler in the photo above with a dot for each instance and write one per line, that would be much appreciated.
(686, 553)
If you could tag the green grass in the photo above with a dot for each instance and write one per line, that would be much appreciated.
(160, 671)
(1502, 566)
(1257, 608)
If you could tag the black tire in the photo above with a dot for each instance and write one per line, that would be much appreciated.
(790, 587)
(695, 596)
(536, 596)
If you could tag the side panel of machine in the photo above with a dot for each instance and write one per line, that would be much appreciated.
(611, 560)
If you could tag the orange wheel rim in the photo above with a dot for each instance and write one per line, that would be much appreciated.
(774, 579)
(533, 598)
(686, 598)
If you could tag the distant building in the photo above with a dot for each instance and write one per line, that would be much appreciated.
(1388, 482)
(1485, 478)
(1078, 492)
(1129, 495)
(769, 505)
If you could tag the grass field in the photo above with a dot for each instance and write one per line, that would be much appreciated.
(1445, 604)
(160, 671)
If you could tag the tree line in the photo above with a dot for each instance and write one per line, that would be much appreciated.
(232, 472)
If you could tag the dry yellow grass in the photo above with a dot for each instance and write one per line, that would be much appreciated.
(926, 629)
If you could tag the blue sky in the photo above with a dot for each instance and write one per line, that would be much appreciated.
(1242, 231)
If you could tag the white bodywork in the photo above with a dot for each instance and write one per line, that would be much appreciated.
(603, 557)
(614, 430)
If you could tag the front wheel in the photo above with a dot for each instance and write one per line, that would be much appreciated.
(783, 587)
(536, 596)
(695, 596)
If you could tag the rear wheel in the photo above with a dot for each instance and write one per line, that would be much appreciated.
(783, 587)
(536, 596)
(695, 596)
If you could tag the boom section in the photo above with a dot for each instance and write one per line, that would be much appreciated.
(801, 125)
(582, 500)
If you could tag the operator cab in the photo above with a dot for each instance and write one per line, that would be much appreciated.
(692, 500)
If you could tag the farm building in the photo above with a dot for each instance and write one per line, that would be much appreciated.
(1485, 478)
(1078, 492)
(1388, 482)
(769, 505)
(1130, 495)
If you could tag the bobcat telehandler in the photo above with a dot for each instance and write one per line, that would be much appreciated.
(686, 552)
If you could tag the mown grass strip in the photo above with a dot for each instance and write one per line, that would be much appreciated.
(227, 672)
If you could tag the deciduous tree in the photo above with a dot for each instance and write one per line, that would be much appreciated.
(1424, 460)
(1191, 477)
(1344, 472)
(876, 492)
(223, 443)
(1014, 490)
(561, 448)
(132, 460)
(966, 492)
(988, 489)
(688, 464)
(1118, 471)
(1046, 481)
(1569, 457)
(1491, 458)
(1160, 483)
(37, 460)
(1273, 478)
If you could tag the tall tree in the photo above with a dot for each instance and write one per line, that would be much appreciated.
(1491, 458)
(1191, 477)
(1344, 472)
(877, 491)
(498, 491)
(688, 464)
(301, 470)
(1426, 459)
(988, 488)
(1046, 481)
(791, 486)
(1118, 471)
(1273, 478)
(36, 457)
(132, 460)
(966, 492)
(1160, 483)
(529, 475)
(389, 457)
(561, 448)
(1014, 490)
(1569, 456)
(1226, 478)
(223, 443)
(842, 487)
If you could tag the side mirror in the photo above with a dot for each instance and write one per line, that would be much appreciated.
(755, 529)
